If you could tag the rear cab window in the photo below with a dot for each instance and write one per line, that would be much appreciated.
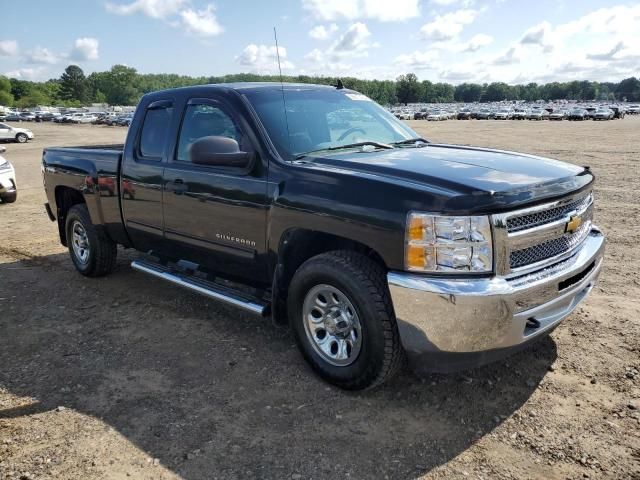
(155, 130)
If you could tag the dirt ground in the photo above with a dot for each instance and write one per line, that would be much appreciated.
(128, 377)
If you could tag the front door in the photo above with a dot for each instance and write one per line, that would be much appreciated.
(216, 216)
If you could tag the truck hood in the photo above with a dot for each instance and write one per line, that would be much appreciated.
(483, 176)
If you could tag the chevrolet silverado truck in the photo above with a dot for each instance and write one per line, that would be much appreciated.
(314, 205)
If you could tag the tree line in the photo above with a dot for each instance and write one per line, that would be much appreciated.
(122, 85)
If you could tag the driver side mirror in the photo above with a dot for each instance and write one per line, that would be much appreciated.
(219, 152)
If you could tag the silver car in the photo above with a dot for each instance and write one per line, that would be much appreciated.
(20, 135)
(8, 188)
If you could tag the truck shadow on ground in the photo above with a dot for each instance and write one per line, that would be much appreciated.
(212, 392)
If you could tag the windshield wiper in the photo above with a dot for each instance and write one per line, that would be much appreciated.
(348, 145)
(410, 141)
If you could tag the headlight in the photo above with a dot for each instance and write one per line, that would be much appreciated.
(448, 244)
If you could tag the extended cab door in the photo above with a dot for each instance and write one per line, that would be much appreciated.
(216, 216)
(141, 177)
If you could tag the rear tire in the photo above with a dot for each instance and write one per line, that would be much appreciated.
(92, 252)
(9, 197)
(333, 295)
(22, 138)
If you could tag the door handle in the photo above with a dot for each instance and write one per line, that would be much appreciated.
(177, 186)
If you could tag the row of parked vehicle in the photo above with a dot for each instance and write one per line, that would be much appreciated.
(509, 112)
(100, 118)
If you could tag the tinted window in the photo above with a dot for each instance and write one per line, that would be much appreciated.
(154, 132)
(204, 121)
(318, 118)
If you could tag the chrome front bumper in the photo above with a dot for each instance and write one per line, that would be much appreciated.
(466, 322)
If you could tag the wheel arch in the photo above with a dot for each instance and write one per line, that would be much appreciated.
(296, 246)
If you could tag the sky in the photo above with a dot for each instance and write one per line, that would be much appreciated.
(455, 41)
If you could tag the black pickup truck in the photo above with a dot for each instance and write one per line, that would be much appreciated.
(316, 206)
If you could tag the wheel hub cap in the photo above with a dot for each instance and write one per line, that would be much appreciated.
(332, 325)
(80, 242)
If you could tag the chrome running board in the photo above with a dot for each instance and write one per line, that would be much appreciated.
(203, 287)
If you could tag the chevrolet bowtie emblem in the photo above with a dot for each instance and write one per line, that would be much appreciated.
(573, 224)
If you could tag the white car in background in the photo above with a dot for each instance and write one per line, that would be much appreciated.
(82, 118)
(20, 135)
(8, 188)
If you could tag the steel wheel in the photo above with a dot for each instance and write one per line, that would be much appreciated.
(80, 242)
(332, 325)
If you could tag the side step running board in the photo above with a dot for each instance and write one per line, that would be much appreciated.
(203, 287)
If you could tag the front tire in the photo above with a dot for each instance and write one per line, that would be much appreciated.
(9, 197)
(342, 318)
(92, 252)
(22, 138)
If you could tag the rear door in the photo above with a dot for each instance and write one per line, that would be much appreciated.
(141, 177)
(216, 216)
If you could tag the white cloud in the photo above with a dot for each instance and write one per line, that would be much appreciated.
(509, 57)
(264, 58)
(381, 10)
(201, 22)
(448, 26)
(320, 32)
(353, 40)
(609, 54)
(477, 42)
(42, 55)
(8, 48)
(26, 73)
(446, 3)
(178, 13)
(151, 8)
(85, 49)
(419, 60)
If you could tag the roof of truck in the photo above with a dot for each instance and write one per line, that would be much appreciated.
(251, 86)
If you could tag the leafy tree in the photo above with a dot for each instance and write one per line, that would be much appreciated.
(6, 98)
(408, 88)
(73, 84)
(629, 88)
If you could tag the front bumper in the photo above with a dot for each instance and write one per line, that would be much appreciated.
(7, 180)
(450, 324)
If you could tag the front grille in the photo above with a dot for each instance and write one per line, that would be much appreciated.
(550, 248)
(531, 220)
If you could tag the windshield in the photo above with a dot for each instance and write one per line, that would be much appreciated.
(322, 118)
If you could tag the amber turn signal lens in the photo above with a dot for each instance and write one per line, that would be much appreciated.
(416, 229)
(415, 256)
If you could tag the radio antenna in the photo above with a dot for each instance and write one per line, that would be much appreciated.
(284, 103)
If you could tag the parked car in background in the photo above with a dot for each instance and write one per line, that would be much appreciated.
(603, 113)
(82, 118)
(437, 116)
(125, 120)
(421, 114)
(577, 113)
(618, 112)
(538, 114)
(503, 114)
(633, 109)
(558, 115)
(519, 114)
(464, 114)
(484, 114)
(591, 112)
(8, 186)
(15, 134)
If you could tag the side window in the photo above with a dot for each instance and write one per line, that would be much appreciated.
(154, 132)
(204, 121)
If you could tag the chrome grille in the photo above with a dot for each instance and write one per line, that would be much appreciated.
(531, 220)
(550, 248)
